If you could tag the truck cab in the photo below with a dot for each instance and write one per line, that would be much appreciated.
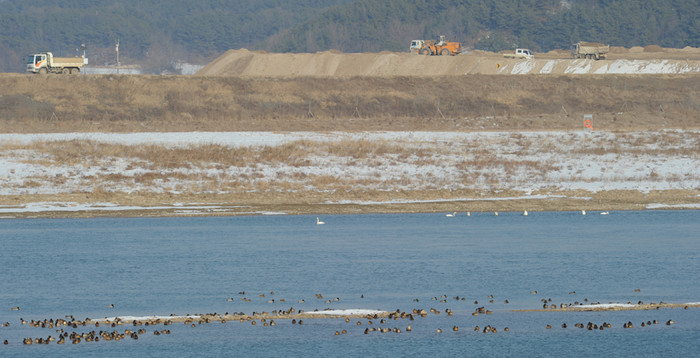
(36, 62)
(524, 53)
(416, 45)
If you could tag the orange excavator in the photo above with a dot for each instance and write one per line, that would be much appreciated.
(441, 47)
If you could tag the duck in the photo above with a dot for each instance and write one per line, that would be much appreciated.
(319, 222)
(451, 215)
(605, 213)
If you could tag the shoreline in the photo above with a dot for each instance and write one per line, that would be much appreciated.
(262, 204)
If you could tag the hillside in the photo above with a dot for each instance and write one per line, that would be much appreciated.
(152, 33)
(159, 34)
(542, 25)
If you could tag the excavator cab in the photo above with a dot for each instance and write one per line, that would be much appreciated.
(442, 41)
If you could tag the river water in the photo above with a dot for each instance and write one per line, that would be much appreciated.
(161, 266)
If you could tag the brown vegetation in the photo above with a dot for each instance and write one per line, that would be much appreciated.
(30, 103)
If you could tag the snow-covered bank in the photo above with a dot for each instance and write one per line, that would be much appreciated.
(609, 67)
(537, 165)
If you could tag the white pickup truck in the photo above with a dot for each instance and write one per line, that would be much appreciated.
(520, 53)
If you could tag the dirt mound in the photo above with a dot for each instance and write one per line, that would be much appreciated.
(653, 48)
(649, 60)
(617, 49)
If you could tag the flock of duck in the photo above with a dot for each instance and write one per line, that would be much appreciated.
(381, 322)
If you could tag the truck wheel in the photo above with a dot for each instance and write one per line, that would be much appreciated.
(65, 71)
(43, 71)
(74, 71)
(425, 51)
(445, 52)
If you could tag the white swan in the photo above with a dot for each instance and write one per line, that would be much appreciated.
(469, 213)
(605, 213)
(583, 212)
(452, 215)
(525, 213)
(495, 213)
(319, 222)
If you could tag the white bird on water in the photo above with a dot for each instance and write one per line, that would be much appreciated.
(525, 213)
(583, 212)
(319, 222)
(451, 215)
(605, 213)
(469, 213)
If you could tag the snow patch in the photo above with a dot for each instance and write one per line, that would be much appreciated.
(347, 312)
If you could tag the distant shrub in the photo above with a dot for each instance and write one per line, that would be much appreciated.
(23, 106)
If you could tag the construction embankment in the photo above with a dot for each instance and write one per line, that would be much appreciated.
(650, 60)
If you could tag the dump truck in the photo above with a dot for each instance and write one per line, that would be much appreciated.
(45, 62)
(520, 53)
(589, 50)
(441, 47)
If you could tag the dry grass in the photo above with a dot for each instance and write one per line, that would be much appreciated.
(478, 102)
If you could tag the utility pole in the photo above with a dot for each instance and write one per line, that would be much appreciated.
(85, 60)
(117, 49)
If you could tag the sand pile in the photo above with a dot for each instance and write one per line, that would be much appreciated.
(649, 60)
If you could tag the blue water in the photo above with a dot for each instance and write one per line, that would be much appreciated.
(161, 266)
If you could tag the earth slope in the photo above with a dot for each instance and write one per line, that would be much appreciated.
(334, 63)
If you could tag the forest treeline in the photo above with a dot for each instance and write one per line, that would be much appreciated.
(159, 33)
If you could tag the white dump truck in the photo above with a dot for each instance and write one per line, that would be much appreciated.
(520, 53)
(589, 50)
(45, 62)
